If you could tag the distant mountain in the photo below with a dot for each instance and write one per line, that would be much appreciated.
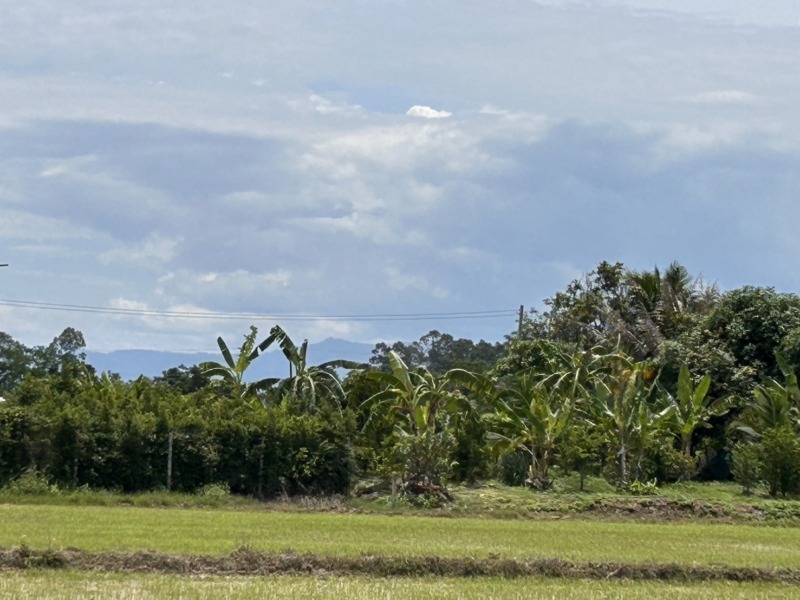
(130, 364)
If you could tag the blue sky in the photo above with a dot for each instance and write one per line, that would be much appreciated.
(383, 157)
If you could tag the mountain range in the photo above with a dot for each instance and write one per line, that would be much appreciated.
(130, 364)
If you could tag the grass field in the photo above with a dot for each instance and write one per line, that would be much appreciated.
(61, 585)
(195, 531)
(708, 501)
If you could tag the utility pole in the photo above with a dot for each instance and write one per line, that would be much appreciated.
(521, 316)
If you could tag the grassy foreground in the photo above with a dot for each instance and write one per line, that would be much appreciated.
(58, 585)
(208, 532)
(688, 501)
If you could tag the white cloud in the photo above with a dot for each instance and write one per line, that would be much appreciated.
(154, 252)
(681, 141)
(723, 97)
(401, 281)
(464, 257)
(376, 228)
(426, 112)
(399, 147)
(325, 106)
(249, 192)
(128, 304)
(21, 225)
(225, 289)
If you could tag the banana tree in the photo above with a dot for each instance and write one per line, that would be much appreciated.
(775, 405)
(621, 407)
(692, 411)
(415, 395)
(231, 373)
(309, 385)
(418, 402)
(531, 414)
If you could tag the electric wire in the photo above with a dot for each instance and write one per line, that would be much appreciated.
(170, 314)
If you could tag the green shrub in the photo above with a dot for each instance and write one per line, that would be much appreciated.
(746, 466)
(514, 468)
(425, 459)
(780, 456)
(643, 488)
(31, 483)
(215, 490)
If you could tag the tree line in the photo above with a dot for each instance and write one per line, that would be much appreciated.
(641, 377)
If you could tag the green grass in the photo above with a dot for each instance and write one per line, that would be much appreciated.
(194, 531)
(681, 501)
(60, 585)
(718, 501)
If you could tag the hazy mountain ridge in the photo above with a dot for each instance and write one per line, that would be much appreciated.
(130, 364)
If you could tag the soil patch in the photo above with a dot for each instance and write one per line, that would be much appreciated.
(248, 562)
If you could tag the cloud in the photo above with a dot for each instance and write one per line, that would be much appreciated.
(426, 112)
(723, 97)
(153, 252)
(402, 148)
(300, 182)
(328, 107)
(400, 281)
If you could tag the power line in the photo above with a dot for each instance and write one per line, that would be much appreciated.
(484, 314)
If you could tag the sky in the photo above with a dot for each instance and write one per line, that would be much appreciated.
(298, 162)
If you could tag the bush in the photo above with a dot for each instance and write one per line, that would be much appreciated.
(31, 483)
(515, 468)
(425, 459)
(746, 466)
(215, 490)
(780, 459)
(643, 488)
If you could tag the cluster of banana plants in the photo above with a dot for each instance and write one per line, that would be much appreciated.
(307, 386)
(609, 396)
(543, 413)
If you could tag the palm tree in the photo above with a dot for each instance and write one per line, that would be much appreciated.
(309, 385)
(666, 302)
(232, 372)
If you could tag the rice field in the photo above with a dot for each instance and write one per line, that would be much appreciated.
(66, 585)
(208, 532)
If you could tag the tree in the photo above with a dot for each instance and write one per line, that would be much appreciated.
(232, 372)
(439, 353)
(309, 385)
(418, 402)
(693, 409)
(668, 304)
(780, 462)
(615, 307)
(623, 408)
(596, 309)
(530, 414)
(750, 324)
(186, 380)
(15, 361)
(775, 405)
